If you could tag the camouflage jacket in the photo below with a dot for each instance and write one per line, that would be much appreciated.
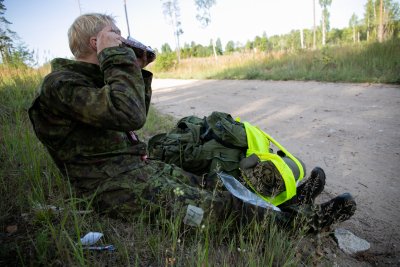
(84, 113)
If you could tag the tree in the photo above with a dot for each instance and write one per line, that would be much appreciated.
(6, 36)
(11, 51)
(325, 18)
(302, 38)
(203, 11)
(257, 44)
(380, 28)
(292, 40)
(353, 22)
(369, 18)
(264, 42)
(314, 28)
(308, 38)
(335, 36)
(230, 47)
(249, 45)
(204, 16)
(218, 46)
(172, 15)
(389, 19)
(165, 48)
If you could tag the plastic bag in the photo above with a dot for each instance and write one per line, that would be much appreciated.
(241, 192)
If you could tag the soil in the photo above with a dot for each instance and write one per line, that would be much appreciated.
(352, 131)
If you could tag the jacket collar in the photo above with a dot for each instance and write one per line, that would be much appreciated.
(88, 69)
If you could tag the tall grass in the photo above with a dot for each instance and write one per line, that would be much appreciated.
(364, 62)
(35, 232)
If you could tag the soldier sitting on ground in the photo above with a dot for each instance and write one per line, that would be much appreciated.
(86, 114)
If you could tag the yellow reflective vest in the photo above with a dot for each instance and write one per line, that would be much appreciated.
(259, 144)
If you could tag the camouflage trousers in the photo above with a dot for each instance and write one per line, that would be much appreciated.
(157, 187)
(160, 187)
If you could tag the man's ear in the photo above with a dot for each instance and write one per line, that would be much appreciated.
(93, 43)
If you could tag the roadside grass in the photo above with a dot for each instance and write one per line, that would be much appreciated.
(42, 221)
(364, 62)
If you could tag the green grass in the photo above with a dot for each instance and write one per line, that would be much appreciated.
(31, 236)
(364, 62)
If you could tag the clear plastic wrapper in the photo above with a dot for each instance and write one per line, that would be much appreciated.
(241, 192)
(91, 238)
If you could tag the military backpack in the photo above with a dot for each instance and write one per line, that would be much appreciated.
(206, 146)
(202, 145)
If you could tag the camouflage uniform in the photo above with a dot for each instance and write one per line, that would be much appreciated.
(85, 115)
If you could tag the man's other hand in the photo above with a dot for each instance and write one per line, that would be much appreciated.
(107, 37)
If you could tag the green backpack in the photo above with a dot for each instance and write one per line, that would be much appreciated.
(218, 143)
(203, 146)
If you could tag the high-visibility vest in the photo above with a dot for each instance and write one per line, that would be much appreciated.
(259, 144)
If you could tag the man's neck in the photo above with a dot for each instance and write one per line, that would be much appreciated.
(92, 58)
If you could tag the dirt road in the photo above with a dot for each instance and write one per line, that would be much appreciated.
(352, 131)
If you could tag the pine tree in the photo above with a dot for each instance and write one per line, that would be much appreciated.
(6, 36)
(11, 51)
(218, 46)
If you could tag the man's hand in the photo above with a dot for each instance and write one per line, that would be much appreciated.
(107, 37)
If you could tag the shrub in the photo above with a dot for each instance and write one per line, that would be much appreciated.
(165, 62)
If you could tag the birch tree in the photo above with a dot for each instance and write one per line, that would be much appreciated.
(369, 18)
(172, 15)
(314, 28)
(325, 18)
(204, 16)
(353, 24)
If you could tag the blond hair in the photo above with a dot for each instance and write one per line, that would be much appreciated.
(85, 27)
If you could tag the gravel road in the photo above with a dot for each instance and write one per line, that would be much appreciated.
(352, 131)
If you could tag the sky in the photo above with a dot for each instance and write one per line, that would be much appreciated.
(43, 24)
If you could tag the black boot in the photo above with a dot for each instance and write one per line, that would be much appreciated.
(338, 209)
(310, 189)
